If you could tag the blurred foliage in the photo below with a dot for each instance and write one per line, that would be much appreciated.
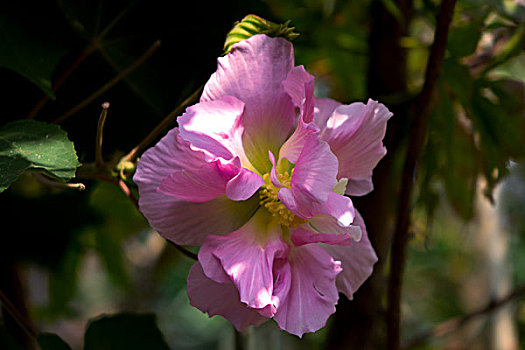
(97, 253)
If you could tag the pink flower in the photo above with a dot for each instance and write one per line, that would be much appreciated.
(256, 173)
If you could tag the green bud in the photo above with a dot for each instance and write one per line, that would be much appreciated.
(252, 25)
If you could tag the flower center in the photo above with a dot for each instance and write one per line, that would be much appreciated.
(269, 200)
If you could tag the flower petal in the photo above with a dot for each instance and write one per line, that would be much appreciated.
(178, 220)
(300, 86)
(355, 133)
(202, 184)
(315, 172)
(247, 256)
(324, 107)
(312, 180)
(312, 294)
(253, 72)
(357, 261)
(215, 127)
(328, 224)
(305, 235)
(243, 185)
(341, 208)
(292, 148)
(220, 299)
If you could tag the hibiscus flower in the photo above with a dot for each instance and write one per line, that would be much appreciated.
(256, 174)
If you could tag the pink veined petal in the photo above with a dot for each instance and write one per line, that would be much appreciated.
(315, 172)
(312, 180)
(202, 184)
(341, 208)
(359, 187)
(243, 185)
(215, 127)
(220, 299)
(328, 224)
(312, 294)
(324, 107)
(292, 148)
(253, 72)
(355, 133)
(178, 220)
(300, 86)
(247, 257)
(273, 173)
(305, 235)
(357, 261)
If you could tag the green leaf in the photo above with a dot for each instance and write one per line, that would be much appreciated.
(30, 54)
(464, 38)
(252, 25)
(30, 145)
(50, 341)
(124, 331)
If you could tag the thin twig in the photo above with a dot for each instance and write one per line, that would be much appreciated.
(167, 121)
(63, 185)
(94, 44)
(99, 160)
(125, 72)
(19, 318)
(417, 137)
(458, 322)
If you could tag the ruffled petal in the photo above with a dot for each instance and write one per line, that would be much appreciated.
(214, 127)
(340, 208)
(357, 261)
(253, 72)
(247, 257)
(324, 107)
(178, 220)
(220, 299)
(202, 184)
(300, 86)
(306, 235)
(292, 148)
(328, 224)
(315, 172)
(355, 133)
(312, 294)
(243, 185)
(312, 181)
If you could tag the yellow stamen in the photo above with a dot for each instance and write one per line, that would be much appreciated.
(268, 199)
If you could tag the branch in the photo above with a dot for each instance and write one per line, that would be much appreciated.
(19, 318)
(417, 137)
(94, 44)
(167, 121)
(458, 322)
(125, 72)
